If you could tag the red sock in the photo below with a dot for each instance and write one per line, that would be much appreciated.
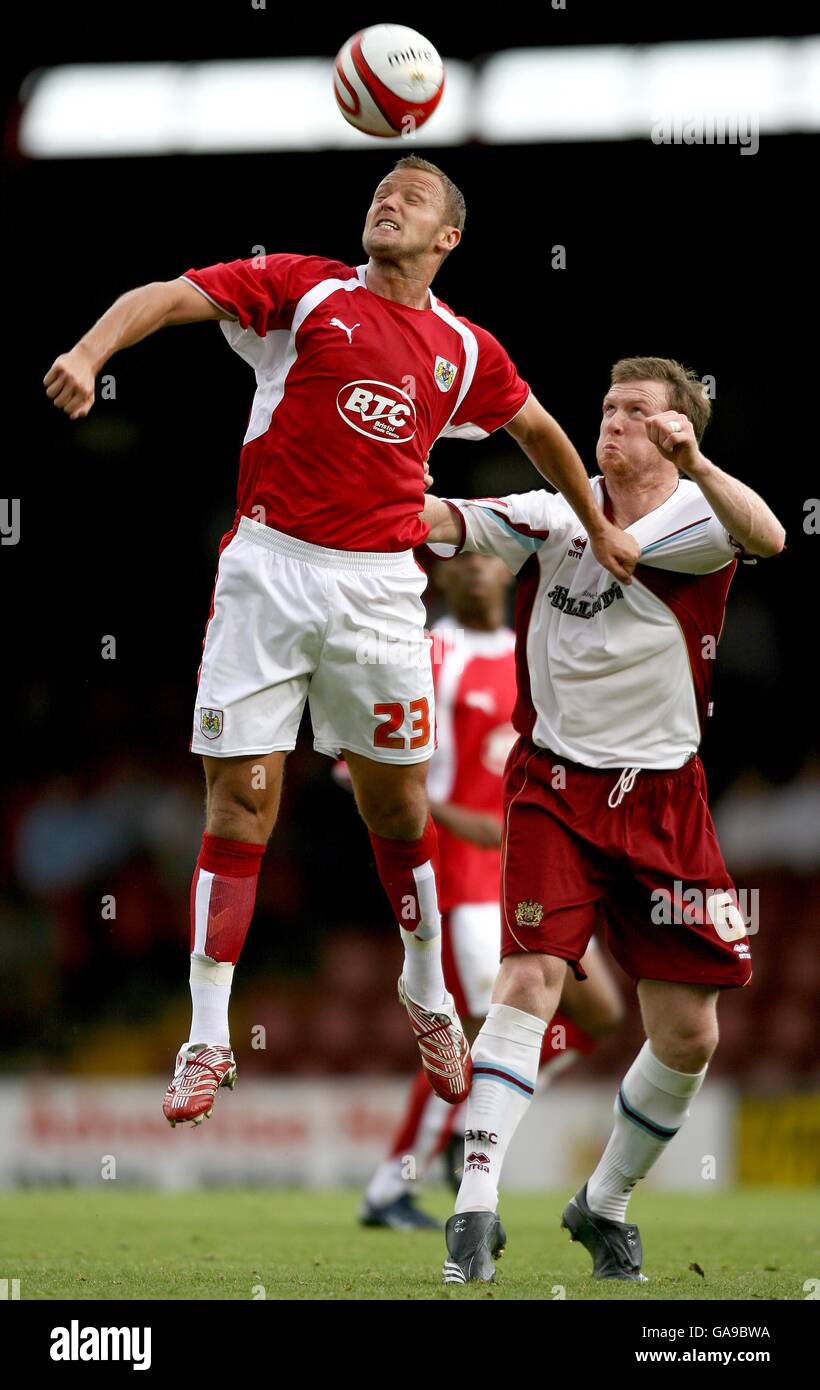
(395, 862)
(223, 892)
(557, 1044)
(407, 1137)
(404, 1140)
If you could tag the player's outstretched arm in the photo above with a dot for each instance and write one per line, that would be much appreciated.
(476, 827)
(739, 508)
(69, 382)
(548, 447)
(442, 520)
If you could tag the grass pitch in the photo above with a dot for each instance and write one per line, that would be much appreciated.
(237, 1244)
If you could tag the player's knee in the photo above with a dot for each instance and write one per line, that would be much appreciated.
(686, 1047)
(239, 814)
(530, 982)
(401, 817)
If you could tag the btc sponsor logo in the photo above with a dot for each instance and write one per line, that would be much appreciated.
(378, 410)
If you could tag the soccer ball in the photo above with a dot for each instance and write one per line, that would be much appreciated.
(388, 80)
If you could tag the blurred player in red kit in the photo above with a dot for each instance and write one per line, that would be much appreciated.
(358, 369)
(474, 677)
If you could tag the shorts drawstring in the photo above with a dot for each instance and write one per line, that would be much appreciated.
(623, 786)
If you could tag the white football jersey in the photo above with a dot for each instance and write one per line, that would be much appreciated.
(610, 675)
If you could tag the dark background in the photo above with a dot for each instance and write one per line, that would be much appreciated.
(697, 253)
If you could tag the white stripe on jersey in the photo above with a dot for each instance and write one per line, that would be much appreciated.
(442, 766)
(273, 356)
(458, 648)
(468, 338)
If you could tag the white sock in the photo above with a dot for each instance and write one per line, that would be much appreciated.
(506, 1054)
(423, 976)
(650, 1107)
(388, 1183)
(395, 1176)
(210, 982)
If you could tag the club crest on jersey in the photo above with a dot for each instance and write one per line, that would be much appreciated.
(210, 722)
(377, 409)
(445, 373)
(529, 913)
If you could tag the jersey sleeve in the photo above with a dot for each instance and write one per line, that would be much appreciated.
(495, 394)
(692, 539)
(513, 528)
(261, 293)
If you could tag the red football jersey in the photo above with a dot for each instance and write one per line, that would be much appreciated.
(352, 390)
(474, 676)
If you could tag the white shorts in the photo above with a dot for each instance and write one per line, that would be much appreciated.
(342, 629)
(472, 954)
(471, 951)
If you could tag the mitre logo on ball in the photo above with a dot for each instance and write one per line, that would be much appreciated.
(388, 80)
(377, 409)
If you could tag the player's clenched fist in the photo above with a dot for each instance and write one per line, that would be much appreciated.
(69, 383)
(674, 435)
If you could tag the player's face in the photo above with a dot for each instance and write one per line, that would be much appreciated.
(623, 444)
(406, 216)
(474, 586)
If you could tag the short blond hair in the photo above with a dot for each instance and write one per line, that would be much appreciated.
(455, 208)
(685, 391)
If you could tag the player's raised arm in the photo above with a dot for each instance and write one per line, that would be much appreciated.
(69, 382)
(549, 448)
(749, 520)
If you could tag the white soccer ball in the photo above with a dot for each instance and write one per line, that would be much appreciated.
(388, 80)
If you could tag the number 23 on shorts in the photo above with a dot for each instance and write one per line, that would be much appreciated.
(386, 734)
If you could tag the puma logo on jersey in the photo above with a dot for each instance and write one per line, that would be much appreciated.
(480, 699)
(337, 323)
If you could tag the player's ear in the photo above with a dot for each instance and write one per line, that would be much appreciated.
(449, 237)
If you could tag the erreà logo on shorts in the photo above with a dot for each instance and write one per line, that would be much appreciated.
(75, 1343)
(379, 410)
